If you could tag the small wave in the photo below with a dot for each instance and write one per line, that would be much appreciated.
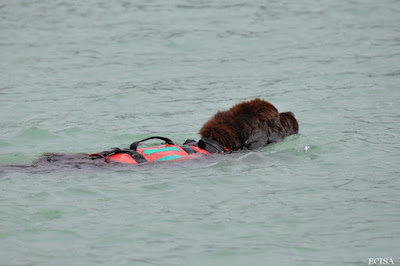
(36, 133)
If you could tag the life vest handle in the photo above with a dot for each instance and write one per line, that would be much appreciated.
(135, 144)
(204, 142)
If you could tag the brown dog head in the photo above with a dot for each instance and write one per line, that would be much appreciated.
(249, 125)
(289, 124)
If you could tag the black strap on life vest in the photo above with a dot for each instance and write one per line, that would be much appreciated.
(132, 151)
(135, 144)
(207, 144)
(210, 145)
(105, 154)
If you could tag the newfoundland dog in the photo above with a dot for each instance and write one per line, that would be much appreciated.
(246, 126)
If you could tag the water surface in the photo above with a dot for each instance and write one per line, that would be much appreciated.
(88, 76)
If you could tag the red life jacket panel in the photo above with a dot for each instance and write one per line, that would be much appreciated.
(122, 158)
(166, 152)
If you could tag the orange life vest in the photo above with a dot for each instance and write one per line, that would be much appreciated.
(166, 152)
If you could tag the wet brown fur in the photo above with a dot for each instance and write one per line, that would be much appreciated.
(250, 125)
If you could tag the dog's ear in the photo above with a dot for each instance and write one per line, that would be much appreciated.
(289, 123)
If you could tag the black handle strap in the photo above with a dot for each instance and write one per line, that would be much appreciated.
(135, 144)
(210, 145)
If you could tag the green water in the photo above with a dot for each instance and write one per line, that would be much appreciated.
(87, 76)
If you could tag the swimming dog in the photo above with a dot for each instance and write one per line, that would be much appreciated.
(248, 125)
